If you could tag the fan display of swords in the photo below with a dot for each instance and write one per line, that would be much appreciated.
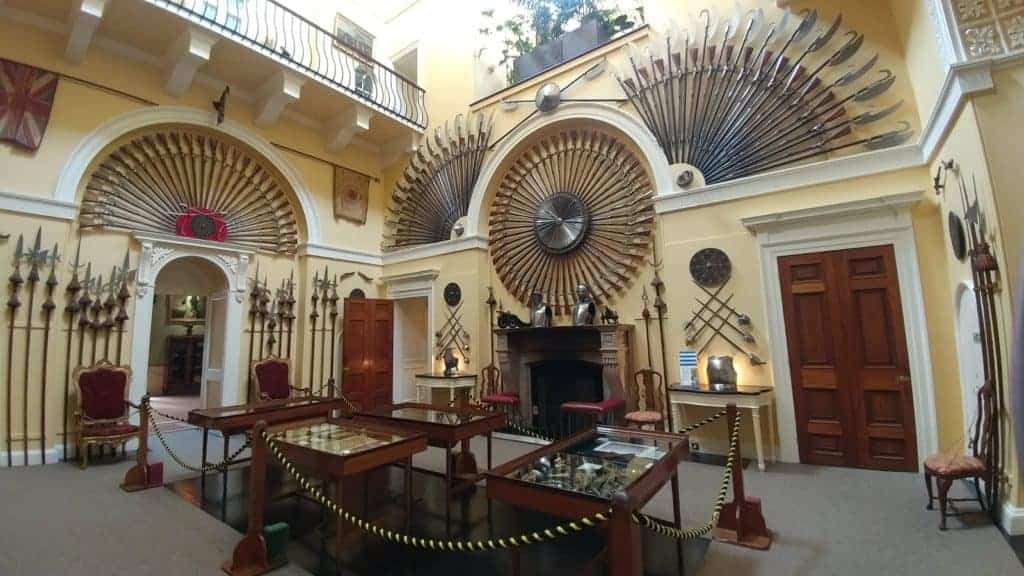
(715, 318)
(97, 308)
(453, 334)
(435, 190)
(741, 96)
(271, 320)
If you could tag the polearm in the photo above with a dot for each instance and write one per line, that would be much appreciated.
(282, 308)
(254, 295)
(48, 307)
(13, 303)
(334, 333)
(33, 278)
(263, 311)
(646, 314)
(313, 315)
(272, 327)
(123, 294)
(290, 315)
(660, 306)
(74, 286)
(96, 308)
(108, 307)
(83, 321)
(323, 331)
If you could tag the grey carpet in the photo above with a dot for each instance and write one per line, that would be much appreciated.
(59, 520)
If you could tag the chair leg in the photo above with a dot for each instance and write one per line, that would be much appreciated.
(944, 485)
(83, 451)
(977, 492)
(928, 485)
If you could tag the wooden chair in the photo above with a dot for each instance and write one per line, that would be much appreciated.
(272, 378)
(102, 412)
(950, 466)
(650, 393)
(491, 394)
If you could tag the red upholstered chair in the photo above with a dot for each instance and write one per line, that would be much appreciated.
(650, 393)
(102, 414)
(950, 466)
(491, 394)
(603, 411)
(272, 377)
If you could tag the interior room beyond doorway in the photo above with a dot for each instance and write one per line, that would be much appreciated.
(188, 307)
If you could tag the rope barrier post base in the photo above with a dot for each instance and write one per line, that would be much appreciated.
(625, 550)
(741, 521)
(250, 557)
(143, 475)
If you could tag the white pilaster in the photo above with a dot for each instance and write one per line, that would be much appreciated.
(342, 128)
(278, 91)
(184, 57)
(85, 17)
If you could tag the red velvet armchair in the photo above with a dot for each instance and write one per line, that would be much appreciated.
(102, 413)
(272, 378)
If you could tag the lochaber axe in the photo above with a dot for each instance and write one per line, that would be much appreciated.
(13, 303)
(71, 309)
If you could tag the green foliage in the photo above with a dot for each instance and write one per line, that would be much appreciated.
(543, 21)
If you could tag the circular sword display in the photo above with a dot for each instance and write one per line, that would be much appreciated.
(574, 208)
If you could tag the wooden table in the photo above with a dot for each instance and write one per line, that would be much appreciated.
(444, 427)
(568, 483)
(455, 384)
(753, 398)
(319, 448)
(238, 419)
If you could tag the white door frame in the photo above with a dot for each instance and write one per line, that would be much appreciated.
(418, 284)
(159, 250)
(857, 224)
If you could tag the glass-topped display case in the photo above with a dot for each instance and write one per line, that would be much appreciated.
(335, 439)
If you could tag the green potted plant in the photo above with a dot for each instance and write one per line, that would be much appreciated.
(548, 32)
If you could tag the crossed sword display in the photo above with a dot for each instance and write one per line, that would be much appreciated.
(452, 332)
(718, 309)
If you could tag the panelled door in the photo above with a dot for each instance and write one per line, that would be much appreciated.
(848, 359)
(367, 352)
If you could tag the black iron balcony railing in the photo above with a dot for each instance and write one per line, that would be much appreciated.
(282, 34)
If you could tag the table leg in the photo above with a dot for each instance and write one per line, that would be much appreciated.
(624, 547)
(447, 486)
(677, 517)
(755, 417)
(772, 435)
(202, 479)
(224, 481)
(339, 535)
(489, 464)
(250, 554)
(408, 492)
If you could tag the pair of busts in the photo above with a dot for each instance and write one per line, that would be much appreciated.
(583, 311)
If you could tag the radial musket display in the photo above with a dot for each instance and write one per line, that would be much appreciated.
(575, 208)
(745, 96)
(435, 190)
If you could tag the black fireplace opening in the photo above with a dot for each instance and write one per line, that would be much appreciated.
(553, 382)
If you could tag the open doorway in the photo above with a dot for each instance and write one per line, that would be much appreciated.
(184, 360)
(412, 345)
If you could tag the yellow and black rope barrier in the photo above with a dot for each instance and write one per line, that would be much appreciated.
(213, 467)
(520, 540)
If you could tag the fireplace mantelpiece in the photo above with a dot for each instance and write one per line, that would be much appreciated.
(609, 345)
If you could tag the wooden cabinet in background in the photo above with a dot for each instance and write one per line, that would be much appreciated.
(184, 375)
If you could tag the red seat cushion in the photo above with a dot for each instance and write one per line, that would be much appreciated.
(594, 407)
(952, 464)
(501, 398)
(103, 393)
(273, 379)
(109, 429)
(644, 417)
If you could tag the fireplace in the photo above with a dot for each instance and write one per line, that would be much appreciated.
(548, 366)
(553, 382)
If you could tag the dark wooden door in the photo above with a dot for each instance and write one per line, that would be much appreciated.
(367, 351)
(848, 359)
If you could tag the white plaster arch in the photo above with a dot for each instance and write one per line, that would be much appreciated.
(89, 148)
(157, 251)
(661, 172)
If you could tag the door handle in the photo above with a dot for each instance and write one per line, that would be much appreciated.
(903, 379)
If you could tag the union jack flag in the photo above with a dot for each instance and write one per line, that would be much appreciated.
(26, 98)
